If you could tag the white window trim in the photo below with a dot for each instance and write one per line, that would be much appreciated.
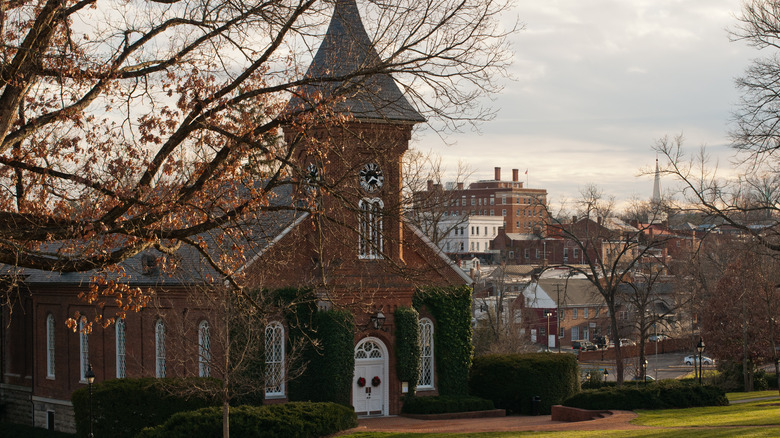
(274, 359)
(121, 330)
(370, 223)
(50, 346)
(159, 349)
(426, 355)
(204, 349)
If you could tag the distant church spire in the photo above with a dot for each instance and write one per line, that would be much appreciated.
(657, 184)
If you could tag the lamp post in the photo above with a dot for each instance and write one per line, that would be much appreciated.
(700, 349)
(548, 314)
(644, 370)
(606, 375)
(90, 376)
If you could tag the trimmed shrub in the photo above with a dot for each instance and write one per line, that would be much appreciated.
(122, 407)
(660, 395)
(512, 380)
(451, 307)
(407, 346)
(290, 420)
(445, 404)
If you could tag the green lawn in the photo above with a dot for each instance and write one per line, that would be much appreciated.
(737, 396)
(765, 413)
(652, 433)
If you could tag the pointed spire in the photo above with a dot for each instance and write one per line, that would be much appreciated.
(657, 184)
(347, 49)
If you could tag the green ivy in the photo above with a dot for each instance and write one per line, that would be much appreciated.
(325, 340)
(407, 346)
(451, 307)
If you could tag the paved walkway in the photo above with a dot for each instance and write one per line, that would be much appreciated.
(619, 420)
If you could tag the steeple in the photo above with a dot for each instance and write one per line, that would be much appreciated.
(345, 50)
(657, 184)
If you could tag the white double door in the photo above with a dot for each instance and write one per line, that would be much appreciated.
(369, 397)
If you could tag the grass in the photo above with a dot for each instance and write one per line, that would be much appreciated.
(651, 433)
(737, 396)
(765, 413)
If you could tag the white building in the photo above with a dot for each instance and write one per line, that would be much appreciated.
(469, 235)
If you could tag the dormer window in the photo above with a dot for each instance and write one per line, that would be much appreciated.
(149, 264)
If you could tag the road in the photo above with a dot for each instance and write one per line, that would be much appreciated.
(661, 366)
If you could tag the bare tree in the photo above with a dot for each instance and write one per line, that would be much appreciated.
(126, 126)
(429, 194)
(611, 252)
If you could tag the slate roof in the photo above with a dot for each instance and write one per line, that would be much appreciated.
(191, 267)
(346, 49)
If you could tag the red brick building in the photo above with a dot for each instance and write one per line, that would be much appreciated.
(354, 250)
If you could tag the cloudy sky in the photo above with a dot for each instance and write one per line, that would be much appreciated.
(597, 83)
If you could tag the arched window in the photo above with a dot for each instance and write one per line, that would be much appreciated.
(204, 349)
(83, 348)
(274, 360)
(159, 348)
(120, 348)
(426, 354)
(370, 239)
(50, 346)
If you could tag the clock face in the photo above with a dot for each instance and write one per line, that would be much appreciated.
(371, 177)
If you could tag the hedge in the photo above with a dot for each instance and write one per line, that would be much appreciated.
(407, 346)
(122, 407)
(290, 420)
(661, 395)
(445, 404)
(451, 307)
(512, 380)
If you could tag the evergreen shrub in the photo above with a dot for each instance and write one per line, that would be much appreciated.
(512, 380)
(122, 407)
(445, 404)
(290, 420)
(660, 395)
(407, 346)
(451, 308)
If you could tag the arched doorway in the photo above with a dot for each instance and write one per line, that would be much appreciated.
(369, 386)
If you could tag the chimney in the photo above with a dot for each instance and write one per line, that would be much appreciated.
(460, 186)
(498, 174)
(515, 175)
(573, 219)
(430, 185)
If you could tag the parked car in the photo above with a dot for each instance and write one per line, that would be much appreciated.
(656, 338)
(694, 359)
(639, 379)
(583, 345)
(626, 342)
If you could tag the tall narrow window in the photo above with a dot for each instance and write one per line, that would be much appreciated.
(50, 346)
(370, 239)
(204, 350)
(426, 354)
(274, 360)
(83, 349)
(120, 348)
(159, 348)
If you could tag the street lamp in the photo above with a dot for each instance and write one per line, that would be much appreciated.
(644, 370)
(700, 349)
(606, 374)
(548, 314)
(90, 376)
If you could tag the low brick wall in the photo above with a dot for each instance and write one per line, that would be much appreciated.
(565, 413)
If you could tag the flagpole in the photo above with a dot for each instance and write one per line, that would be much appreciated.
(526, 179)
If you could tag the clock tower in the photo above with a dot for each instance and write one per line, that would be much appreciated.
(352, 126)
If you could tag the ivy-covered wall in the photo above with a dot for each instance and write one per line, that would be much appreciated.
(407, 346)
(451, 307)
(323, 342)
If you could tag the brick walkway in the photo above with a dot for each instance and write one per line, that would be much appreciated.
(619, 420)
